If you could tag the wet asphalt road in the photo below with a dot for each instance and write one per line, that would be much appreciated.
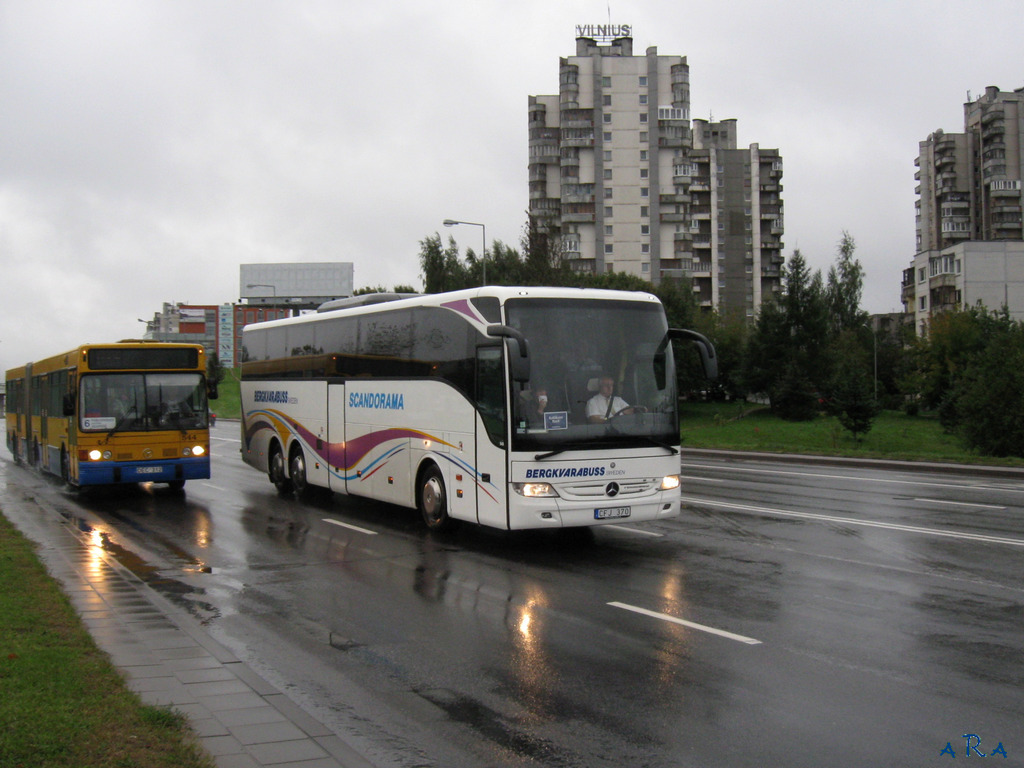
(794, 615)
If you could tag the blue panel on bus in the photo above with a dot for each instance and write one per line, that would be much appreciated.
(107, 473)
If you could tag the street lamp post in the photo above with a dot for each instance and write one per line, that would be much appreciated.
(483, 232)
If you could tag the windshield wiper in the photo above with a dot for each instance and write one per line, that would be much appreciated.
(562, 449)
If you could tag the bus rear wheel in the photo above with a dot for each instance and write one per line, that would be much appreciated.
(277, 475)
(433, 500)
(297, 470)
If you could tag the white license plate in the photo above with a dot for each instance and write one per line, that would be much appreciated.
(149, 470)
(606, 513)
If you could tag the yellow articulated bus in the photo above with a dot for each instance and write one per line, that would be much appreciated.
(104, 414)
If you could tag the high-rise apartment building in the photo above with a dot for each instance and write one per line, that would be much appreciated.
(968, 194)
(621, 181)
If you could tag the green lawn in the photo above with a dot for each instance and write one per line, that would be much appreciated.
(228, 404)
(62, 704)
(893, 435)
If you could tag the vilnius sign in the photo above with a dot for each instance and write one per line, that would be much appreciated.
(604, 32)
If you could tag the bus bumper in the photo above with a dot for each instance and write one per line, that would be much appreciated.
(114, 472)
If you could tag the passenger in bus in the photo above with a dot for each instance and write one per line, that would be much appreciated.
(606, 403)
(538, 404)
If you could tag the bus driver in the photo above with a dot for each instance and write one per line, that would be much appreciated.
(606, 403)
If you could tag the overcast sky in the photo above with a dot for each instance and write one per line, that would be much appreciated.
(149, 147)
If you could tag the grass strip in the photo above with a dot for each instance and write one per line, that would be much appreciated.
(62, 703)
(894, 435)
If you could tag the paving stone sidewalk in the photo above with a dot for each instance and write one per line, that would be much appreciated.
(240, 719)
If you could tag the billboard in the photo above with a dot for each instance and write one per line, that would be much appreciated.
(295, 284)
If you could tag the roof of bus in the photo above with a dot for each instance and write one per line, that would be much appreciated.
(500, 292)
(54, 360)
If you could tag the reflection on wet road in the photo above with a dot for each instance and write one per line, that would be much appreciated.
(795, 615)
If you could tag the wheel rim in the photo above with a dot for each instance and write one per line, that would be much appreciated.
(433, 499)
(299, 471)
(277, 467)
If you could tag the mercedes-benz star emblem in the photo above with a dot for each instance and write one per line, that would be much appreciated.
(612, 489)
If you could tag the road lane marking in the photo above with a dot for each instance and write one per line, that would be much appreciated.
(634, 530)
(864, 523)
(961, 503)
(856, 478)
(215, 487)
(685, 623)
(367, 531)
(702, 479)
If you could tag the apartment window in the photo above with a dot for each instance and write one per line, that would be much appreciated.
(645, 248)
(606, 100)
(607, 173)
(645, 212)
(643, 117)
(606, 136)
(608, 249)
(921, 275)
(922, 303)
(606, 82)
(607, 193)
(645, 192)
(643, 137)
(643, 154)
(607, 155)
(645, 267)
(607, 211)
(607, 117)
(645, 229)
(643, 99)
(643, 81)
(608, 230)
(644, 173)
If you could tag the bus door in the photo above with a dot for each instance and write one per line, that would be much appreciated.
(491, 437)
(336, 437)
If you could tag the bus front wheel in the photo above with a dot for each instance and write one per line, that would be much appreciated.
(277, 475)
(433, 500)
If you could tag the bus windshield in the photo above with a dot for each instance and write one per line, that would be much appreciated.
(573, 346)
(140, 402)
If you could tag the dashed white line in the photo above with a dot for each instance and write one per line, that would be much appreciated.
(340, 524)
(685, 623)
(864, 523)
(960, 503)
(635, 530)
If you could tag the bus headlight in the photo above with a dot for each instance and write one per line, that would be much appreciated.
(534, 490)
(670, 482)
(95, 455)
(196, 450)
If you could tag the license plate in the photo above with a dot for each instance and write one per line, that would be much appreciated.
(607, 513)
(149, 470)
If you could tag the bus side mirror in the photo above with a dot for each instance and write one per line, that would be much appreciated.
(68, 404)
(518, 351)
(708, 358)
(211, 390)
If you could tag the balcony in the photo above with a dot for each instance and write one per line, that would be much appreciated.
(671, 217)
(993, 113)
(1004, 188)
(669, 198)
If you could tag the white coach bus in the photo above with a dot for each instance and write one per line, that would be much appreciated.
(473, 405)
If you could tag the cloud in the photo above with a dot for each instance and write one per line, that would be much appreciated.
(148, 148)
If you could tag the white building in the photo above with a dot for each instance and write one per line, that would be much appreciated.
(621, 182)
(968, 274)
